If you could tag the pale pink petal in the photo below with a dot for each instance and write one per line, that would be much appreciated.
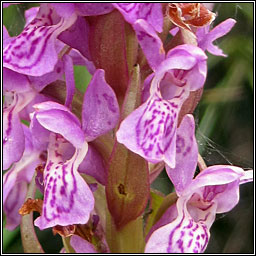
(150, 43)
(150, 12)
(33, 52)
(14, 201)
(67, 198)
(13, 136)
(206, 38)
(183, 235)
(94, 165)
(30, 14)
(186, 155)
(59, 119)
(70, 80)
(100, 111)
(80, 245)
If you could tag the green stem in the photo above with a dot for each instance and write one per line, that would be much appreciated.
(28, 235)
(67, 246)
(128, 239)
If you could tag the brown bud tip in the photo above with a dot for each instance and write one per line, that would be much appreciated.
(64, 231)
(185, 15)
(31, 205)
(40, 168)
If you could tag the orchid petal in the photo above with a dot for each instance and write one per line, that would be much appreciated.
(67, 198)
(183, 235)
(226, 196)
(24, 169)
(40, 82)
(206, 38)
(13, 136)
(146, 88)
(220, 184)
(30, 14)
(182, 58)
(64, 9)
(70, 80)
(57, 118)
(247, 177)
(93, 165)
(15, 182)
(169, 215)
(13, 81)
(215, 175)
(77, 37)
(14, 201)
(80, 245)
(151, 13)
(33, 51)
(6, 38)
(24, 114)
(150, 130)
(100, 111)
(80, 60)
(150, 43)
(197, 76)
(92, 9)
(186, 155)
(5, 5)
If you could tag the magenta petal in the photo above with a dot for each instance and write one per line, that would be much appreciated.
(150, 12)
(226, 196)
(6, 38)
(215, 175)
(80, 245)
(183, 235)
(150, 43)
(146, 88)
(92, 9)
(30, 14)
(205, 38)
(100, 111)
(14, 201)
(15, 182)
(186, 155)
(70, 80)
(220, 184)
(196, 76)
(33, 51)
(64, 9)
(80, 60)
(13, 135)
(39, 82)
(67, 198)
(77, 36)
(24, 169)
(5, 5)
(59, 119)
(13, 139)
(169, 215)
(39, 133)
(150, 130)
(13, 81)
(94, 165)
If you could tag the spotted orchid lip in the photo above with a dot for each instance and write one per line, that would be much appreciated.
(28, 53)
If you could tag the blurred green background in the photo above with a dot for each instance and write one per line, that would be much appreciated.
(225, 127)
